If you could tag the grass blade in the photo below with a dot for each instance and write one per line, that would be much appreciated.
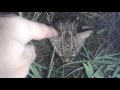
(74, 71)
(88, 69)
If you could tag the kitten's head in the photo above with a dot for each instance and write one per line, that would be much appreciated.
(71, 36)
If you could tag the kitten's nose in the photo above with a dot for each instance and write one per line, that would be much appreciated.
(67, 60)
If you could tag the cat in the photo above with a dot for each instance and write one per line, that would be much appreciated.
(71, 35)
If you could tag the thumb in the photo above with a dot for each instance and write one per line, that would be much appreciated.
(26, 60)
(28, 55)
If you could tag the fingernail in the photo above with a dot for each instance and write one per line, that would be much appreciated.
(55, 33)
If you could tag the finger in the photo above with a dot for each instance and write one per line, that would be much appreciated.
(41, 31)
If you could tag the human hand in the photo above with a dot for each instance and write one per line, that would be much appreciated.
(16, 55)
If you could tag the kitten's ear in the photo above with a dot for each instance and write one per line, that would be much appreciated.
(84, 35)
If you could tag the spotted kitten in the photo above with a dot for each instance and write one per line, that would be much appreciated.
(71, 35)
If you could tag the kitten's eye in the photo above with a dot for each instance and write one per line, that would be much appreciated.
(58, 52)
(60, 55)
(73, 54)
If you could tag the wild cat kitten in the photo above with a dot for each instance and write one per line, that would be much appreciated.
(71, 35)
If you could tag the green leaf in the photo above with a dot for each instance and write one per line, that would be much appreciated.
(90, 66)
(112, 55)
(88, 69)
(118, 76)
(115, 74)
(106, 57)
(109, 68)
(74, 71)
(98, 73)
(34, 72)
